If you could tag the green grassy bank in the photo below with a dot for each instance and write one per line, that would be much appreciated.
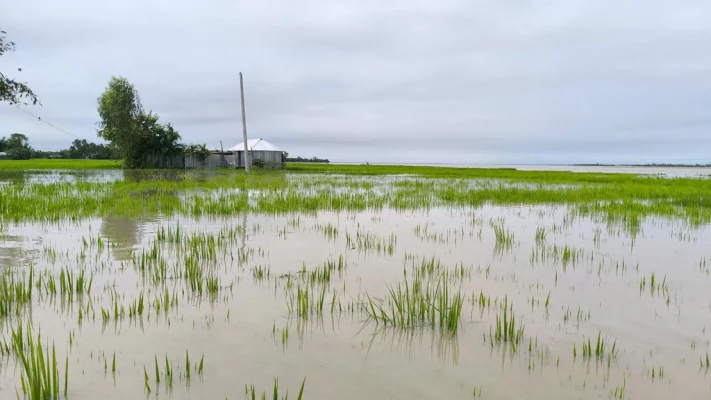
(19, 165)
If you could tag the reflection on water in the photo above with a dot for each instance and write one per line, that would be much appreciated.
(171, 175)
(123, 235)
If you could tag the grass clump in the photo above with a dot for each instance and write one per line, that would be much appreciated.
(419, 303)
(251, 392)
(507, 329)
(40, 374)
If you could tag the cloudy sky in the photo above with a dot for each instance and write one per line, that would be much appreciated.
(463, 81)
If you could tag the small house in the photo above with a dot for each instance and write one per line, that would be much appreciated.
(262, 154)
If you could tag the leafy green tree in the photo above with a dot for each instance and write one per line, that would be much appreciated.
(81, 149)
(12, 91)
(18, 147)
(134, 133)
(158, 142)
(3, 144)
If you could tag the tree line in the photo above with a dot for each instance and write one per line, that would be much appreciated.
(17, 147)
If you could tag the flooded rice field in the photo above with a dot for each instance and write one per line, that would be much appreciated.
(350, 287)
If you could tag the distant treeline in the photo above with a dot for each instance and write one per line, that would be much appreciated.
(647, 165)
(307, 160)
(17, 147)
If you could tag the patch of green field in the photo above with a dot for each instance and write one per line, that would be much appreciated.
(616, 198)
(18, 165)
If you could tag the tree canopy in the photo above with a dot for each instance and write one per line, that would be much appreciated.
(137, 136)
(12, 91)
(81, 149)
(17, 147)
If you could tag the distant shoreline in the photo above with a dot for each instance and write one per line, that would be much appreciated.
(496, 165)
(646, 165)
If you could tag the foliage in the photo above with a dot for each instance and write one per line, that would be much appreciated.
(257, 163)
(10, 165)
(17, 147)
(12, 91)
(304, 160)
(81, 149)
(156, 140)
(199, 150)
(19, 153)
(135, 134)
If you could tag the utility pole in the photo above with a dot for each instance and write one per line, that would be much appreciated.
(247, 160)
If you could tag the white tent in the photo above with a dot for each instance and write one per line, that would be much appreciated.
(255, 145)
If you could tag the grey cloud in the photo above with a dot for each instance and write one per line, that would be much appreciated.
(406, 81)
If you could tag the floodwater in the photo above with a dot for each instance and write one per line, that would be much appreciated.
(601, 286)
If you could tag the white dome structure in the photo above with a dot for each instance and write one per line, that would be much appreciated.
(255, 145)
(262, 153)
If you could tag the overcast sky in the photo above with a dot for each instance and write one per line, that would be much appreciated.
(470, 81)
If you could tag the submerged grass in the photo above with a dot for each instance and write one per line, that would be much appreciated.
(614, 197)
(419, 302)
(40, 374)
(251, 393)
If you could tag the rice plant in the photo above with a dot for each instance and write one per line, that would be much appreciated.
(508, 328)
(419, 303)
(276, 394)
(602, 349)
(39, 370)
(15, 293)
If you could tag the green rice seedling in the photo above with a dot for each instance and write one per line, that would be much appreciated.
(40, 374)
(307, 301)
(418, 303)
(476, 392)
(251, 392)
(168, 373)
(507, 329)
(323, 274)
(504, 238)
(113, 363)
(619, 392)
(596, 237)
(329, 230)
(66, 375)
(69, 283)
(187, 365)
(201, 365)
(601, 350)
(193, 274)
(15, 294)
(261, 273)
(212, 284)
(540, 235)
(145, 380)
(155, 358)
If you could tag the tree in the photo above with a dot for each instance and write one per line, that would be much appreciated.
(3, 144)
(12, 91)
(18, 147)
(134, 133)
(157, 142)
(81, 149)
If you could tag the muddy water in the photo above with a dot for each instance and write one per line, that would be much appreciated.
(344, 355)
